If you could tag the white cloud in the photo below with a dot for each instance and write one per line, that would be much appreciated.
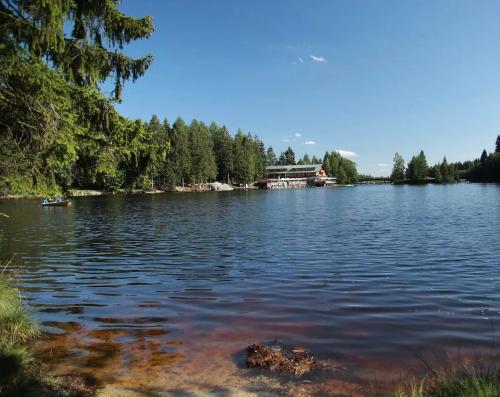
(346, 153)
(383, 165)
(286, 140)
(298, 135)
(316, 58)
(310, 143)
(300, 60)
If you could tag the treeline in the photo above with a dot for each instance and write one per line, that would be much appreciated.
(337, 166)
(197, 153)
(484, 169)
(487, 168)
(58, 130)
(418, 170)
(334, 164)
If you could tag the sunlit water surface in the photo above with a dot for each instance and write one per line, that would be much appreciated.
(161, 294)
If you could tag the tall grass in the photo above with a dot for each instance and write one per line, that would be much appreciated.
(16, 326)
(461, 378)
(21, 375)
(17, 369)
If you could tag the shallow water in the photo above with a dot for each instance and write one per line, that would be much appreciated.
(162, 293)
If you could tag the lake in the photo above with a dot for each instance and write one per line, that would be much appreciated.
(162, 293)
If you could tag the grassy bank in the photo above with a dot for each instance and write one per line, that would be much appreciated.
(20, 373)
(479, 378)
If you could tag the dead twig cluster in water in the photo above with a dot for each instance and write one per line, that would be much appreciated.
(299, 362)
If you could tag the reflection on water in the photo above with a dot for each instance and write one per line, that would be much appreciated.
(166, 291)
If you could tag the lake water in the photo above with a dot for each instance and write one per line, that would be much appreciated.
(161, 294)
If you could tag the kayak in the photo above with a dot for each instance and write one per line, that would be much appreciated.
(63, 203)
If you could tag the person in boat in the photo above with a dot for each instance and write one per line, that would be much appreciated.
(58, 199)
(46, 201)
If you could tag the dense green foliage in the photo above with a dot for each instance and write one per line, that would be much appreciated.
(418, 168)
(271, 158)
(16, 329)
(484, 169)
(287, 157)
(487, 168)
(304, 160)
(191, 154)
(57, 129)
(337, 166)
(398, 170)
(444, 172)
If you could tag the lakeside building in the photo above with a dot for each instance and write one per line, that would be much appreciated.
(295, 176)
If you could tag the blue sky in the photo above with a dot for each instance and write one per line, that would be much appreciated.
(367, 77)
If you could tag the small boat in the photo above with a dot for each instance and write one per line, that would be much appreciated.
(62, 203)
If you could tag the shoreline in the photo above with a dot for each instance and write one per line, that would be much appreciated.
(72, 193)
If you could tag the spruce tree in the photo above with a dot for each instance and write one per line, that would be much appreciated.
(244, 165)
(260, 158)
(180, 155)
(437, 174)
(222, 143)
(287, 157)
(422, 170)
(484, 156)
(88, 53)
(271, 157)
(445, 171)
(203, 165)
(56, 123)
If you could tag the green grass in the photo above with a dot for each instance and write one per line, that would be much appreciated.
(20, 373)
(478, 379)
(17, 369)
(16, 325)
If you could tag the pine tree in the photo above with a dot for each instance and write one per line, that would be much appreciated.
(437, 174)
(287, 157)
(244, 165)
(39, 28)
(497, 145)
(203, 165)
(271, 157)
(56, 123)
(222, 143)
(445, 171)
(422, 170)
(260, 158)
(484, 155)
(180, 155)
(410, 169)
